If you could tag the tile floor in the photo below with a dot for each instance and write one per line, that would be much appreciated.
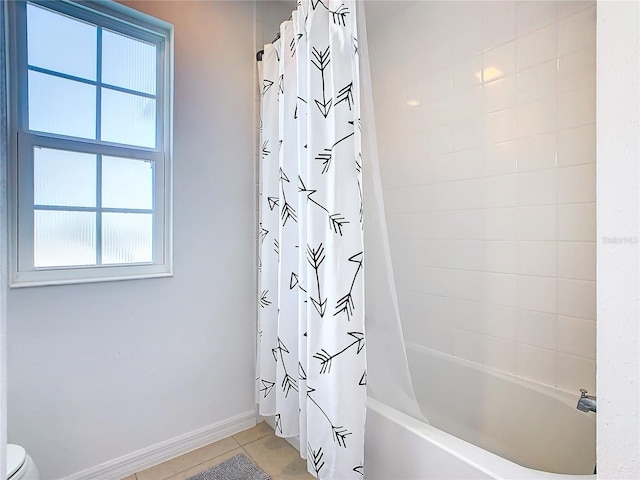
(273, 454)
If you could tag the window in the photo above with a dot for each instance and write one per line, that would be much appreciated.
(90, 124)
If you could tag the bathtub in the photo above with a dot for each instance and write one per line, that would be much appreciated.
(484, 424)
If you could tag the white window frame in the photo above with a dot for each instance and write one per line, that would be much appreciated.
(115, 17)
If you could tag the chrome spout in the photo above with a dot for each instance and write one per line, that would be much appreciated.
(586, 403)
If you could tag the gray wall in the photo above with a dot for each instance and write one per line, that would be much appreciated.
(97, 371)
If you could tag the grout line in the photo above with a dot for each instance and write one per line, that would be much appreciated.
(258, 439)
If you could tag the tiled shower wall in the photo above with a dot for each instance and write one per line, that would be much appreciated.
(486, 128)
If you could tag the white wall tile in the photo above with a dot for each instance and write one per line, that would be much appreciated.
(537, 152)
(468, 133)
(574, 373)
(577, 260)
(577, 31)
(577, 336)
(501, 256)
(577, 184)
(577, 298)
(440, 84)
(534, 15)
(537, 329)
(467, 345)
(537, 364)
(437, 253)
(500, 321)
(537, 223)
(500, 354)
(468, 254)
(468, 285)
(537, 293)
(571, 7)
(577, 69)
(468, 103)
(538, 117)
(469, 163)
(536, 82)
(501, 126)
(537, 187)
(469, 193)
(435, 225)
(577, 107)
(489, 186)
(468, 73)
(500, 94)
(577, 222)
(577, 145)
(500, 289)
(537, 258)
(467, 315)
(501, 223)
(493, 8)
(438, 112)
(440, 168)
(501, 158)
(500, 27)
(501, 191)
(537, 47)
(439, 140)
(468, 224)
(502, 58)
(415, 92)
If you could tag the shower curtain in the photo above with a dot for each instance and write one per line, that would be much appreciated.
(311, 346)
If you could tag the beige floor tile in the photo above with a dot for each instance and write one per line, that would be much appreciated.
(130, 477)
(274, 455)
(254, 433)
(295, 470)
(206, 465)
(188, 460)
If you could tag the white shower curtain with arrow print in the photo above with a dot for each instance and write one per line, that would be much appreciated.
(311, 372)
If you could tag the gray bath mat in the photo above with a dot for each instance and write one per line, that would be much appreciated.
(236, 468)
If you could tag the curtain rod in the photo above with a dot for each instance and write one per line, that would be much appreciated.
(261, 52)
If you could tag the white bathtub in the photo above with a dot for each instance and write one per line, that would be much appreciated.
(483, 425)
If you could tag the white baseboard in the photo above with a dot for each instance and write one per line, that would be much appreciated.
(131, 463)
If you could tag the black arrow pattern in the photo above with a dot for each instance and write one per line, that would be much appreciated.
(310, 129)
(336, 220)
(326, 359)
(326, 156)
(320, 60)
(345, 303)
(315, 257)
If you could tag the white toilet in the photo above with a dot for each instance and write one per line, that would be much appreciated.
(19, 464)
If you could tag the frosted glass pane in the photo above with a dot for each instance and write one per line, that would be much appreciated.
(64, 178)
(61, 106)
(59, 43)
(127, 238)
(128, 119)
(127, 183)
(64, 238)
(128, 63)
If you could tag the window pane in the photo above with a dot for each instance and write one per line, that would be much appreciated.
(127, 238)
(59, 43)
(61, 106)
(127, 183)
(128, 119)
(64, 238)
(128, 63)
(64, 178)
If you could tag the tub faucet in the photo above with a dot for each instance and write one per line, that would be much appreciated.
(586, 403)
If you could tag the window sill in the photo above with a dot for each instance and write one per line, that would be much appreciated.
(110, 274)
